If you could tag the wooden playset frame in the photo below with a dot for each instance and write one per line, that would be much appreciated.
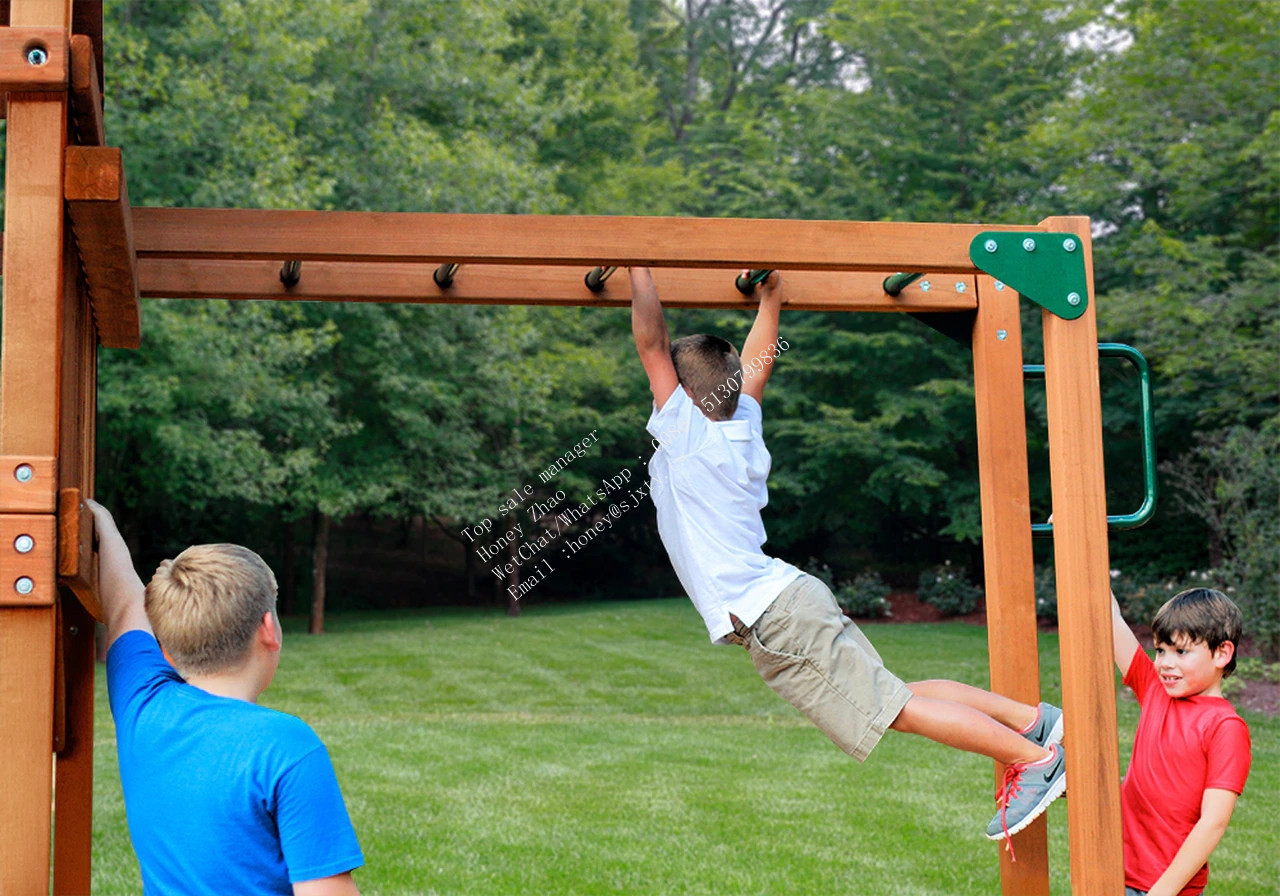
(77, 258)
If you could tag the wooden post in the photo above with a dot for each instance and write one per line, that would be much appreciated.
(77, 572)
(1006, 542)
(30, 415)
(1074, 408)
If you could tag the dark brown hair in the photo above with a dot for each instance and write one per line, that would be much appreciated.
(1201, 614)
(709, 367)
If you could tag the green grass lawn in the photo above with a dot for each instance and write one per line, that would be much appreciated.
(609, 748)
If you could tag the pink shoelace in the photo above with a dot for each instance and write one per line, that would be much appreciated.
(1007, 790)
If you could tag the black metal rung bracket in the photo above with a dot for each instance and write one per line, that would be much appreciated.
(596, 277)
(291, 273)
(443, 275)
(1047, 268)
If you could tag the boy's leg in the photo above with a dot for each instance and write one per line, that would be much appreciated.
(963, 727)
(1042, 724)
(1008, 712)
(1034, 776)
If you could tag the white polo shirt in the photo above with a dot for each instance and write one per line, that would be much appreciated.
(708, 480)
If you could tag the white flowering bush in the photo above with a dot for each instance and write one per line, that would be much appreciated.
(948, 588)
(865, 597)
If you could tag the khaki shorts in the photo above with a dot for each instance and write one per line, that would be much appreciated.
(821, 663)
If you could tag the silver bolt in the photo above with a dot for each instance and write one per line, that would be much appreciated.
(73, 630)
(959, 286)
(991, 245)
(24, 585)
(24, 473)
(999, 286)
(24, 544)
(1029, 244)
(1069, 244)
(37, 56)
(1002, 335)
(1073, 298)
(924, 285)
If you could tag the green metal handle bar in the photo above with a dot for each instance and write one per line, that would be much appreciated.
(894, 284)
(746, 283)
(1143, 513)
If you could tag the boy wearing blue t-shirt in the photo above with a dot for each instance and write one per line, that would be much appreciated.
(709, 483)
(222, 796)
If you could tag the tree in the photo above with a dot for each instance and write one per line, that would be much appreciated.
(213, 417)
(1170, 145)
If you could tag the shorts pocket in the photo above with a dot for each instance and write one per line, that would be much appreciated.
(771, 661)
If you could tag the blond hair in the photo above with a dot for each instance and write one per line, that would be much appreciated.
(205, 605)
(709, 367)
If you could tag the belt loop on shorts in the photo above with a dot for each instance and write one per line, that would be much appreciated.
(740, 633)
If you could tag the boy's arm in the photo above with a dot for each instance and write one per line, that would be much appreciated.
(1124, 642)
(338, 885)
(119, 588)
(650, 331)
(761, 347)
(1216, 807)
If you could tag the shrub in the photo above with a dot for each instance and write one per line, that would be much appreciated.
(866, 597)
(1231, 481)
(1140, 600)
(820, 570)
(1046, 594)
(1249, 668)
(948, 588)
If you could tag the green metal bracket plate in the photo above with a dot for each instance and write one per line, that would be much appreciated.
(1047, 268)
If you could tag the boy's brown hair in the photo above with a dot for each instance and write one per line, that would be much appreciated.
(709, 367)
(1201, 614)
(206, 604)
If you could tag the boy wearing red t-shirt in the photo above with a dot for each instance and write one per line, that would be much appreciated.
(1191, 751)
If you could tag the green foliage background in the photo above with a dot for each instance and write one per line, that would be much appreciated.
(1157, 118)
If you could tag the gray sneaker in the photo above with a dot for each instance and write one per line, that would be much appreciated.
(1027, 790)
(1048, 727)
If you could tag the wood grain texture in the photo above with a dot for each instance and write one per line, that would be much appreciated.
(19, 74)
(30, 396)
(577, 240)
(323, 281)
(1004, 483)
(1073, 399)
(98, 204)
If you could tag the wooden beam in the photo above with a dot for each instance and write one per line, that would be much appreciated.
(28, 484)
(77, 570)
(573, 240)
(30, 357)
(73, 811)
(1073, 403)
(30, 393)
(98, 203)
(86, 20)
(324, 281)
(1004, 484)
(86, 93)
(33, 60)
(29, 550)
(77, 580)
